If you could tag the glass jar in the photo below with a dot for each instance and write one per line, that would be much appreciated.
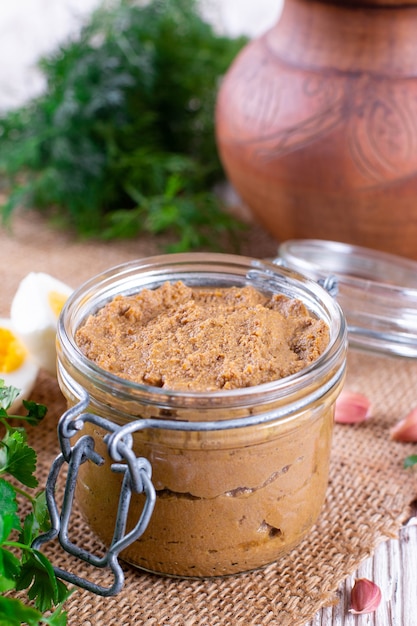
(240, 475)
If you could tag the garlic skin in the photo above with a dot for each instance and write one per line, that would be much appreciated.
(406, 429)
(351, 408)
(365, 597)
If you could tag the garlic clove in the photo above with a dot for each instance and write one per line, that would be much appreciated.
(406, 429)
(351, 408)
(365, 597)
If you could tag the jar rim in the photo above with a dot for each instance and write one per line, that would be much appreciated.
(140, 273)
(376, 290)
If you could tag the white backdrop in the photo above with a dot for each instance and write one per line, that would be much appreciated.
(31, 28)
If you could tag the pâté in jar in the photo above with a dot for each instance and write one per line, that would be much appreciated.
(222, 372)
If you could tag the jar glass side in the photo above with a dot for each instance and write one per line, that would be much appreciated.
(227, 501)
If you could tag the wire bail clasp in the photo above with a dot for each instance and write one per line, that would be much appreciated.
(136, 472)
(330, 284)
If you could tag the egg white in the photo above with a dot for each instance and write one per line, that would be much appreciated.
(24, 376)
(34, 319)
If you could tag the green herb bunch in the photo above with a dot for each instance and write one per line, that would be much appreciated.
(123, 139)
(22, 567)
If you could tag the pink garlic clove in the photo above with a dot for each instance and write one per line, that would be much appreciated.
(365, 597)
(351, 408)
(406, 429)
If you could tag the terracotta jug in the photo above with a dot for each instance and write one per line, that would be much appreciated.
(317, 123)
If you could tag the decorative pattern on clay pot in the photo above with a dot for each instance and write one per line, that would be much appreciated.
(317, 124)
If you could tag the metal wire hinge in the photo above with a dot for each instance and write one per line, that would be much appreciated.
(137, 474)
(330, 283)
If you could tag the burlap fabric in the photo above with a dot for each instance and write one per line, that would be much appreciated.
(369, 494)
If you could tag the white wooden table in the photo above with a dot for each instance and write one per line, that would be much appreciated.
(394, 568)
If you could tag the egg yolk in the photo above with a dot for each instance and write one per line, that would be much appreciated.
(56, 302)
(12, 352)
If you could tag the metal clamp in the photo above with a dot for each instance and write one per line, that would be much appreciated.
(137, 479)
(330, 283)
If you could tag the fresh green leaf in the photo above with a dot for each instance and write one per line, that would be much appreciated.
(37, 521)
(30, 530)
(8, 395)
(35, 412)
(9, 520)
(14, 613)
(57, 618)
(19, 458)
(410, 461)
(9, 570)
(38, 576)
(6, 526)
(40, 512)
(30, 569)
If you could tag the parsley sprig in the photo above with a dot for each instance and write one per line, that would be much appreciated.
(122, 141)
(21, 566)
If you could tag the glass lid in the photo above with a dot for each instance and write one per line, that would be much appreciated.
(376, 290)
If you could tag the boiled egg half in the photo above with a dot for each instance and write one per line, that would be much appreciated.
(17, 368)
(34, 313)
